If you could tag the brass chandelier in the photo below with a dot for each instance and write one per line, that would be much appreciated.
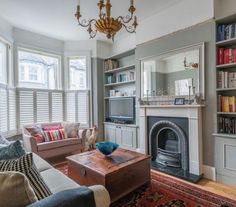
(106, 24)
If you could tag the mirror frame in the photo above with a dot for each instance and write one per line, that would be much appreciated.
(200, 46)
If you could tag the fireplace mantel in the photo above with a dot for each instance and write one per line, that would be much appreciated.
(194, 115)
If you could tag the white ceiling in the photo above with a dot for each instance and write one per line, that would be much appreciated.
(55, 18)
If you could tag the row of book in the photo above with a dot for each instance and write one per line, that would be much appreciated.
(226, 55)
(110, 65)
(227, 125)
(226, 79)
(226, 103)
(127, 76)
(122, 77)
(226, 31)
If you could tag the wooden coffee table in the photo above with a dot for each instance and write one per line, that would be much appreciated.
(121, 173)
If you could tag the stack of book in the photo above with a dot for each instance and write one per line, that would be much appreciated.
(227, 125)
(226, 79)
(226, 55)
(127, 76)
(226, 31)
(110, 79)
(110, 65)
(226, 103)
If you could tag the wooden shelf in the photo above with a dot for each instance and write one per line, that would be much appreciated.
(226, 113)
(129, 67)
(120, 83)
(225, 135)
(225, 89)
(230, 65)
(226, 42)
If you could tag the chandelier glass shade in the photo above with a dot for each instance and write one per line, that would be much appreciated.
(106, 24)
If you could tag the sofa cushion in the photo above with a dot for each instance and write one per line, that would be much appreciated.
(26, 166)
(15, 189)
(53, 135)
(12, 151)
(57, 181)
(51, 126)
(4, 141)
(79, 197)
(59, 143)
(71, 129)
(40, 163)
(36, 131)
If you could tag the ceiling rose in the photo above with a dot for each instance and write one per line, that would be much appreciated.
(107, 24)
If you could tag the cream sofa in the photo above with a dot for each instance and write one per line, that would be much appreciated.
(51, 149)
(57, 181)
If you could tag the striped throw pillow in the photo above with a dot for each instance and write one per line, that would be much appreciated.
(26, 166)
(53, 135)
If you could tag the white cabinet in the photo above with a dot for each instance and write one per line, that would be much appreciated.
(124, 135)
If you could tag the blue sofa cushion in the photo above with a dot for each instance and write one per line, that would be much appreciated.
(12, 151)
(78, 197)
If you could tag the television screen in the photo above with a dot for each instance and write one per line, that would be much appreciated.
(122, 108)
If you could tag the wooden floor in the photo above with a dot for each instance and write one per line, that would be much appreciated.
(214, 187)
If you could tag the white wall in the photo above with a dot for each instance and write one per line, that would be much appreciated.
(181, 15)
(6, 30)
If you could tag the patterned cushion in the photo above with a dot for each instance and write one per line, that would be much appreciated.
(36, 132)
(26, 166)
(71, 130)
(17, 186)
(52, 127)
(12, 151)
(4, 141)
(53, 135)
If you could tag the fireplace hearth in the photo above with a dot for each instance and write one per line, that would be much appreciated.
(169, 146)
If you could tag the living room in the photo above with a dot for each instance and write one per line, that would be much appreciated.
(117, 103)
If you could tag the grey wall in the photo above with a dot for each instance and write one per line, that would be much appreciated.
(200, 33)
(98, 94)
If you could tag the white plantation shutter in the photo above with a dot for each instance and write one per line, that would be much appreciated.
(26, 104)
(42, 103)
(3, 111)
(57, 107)
(83, 108)
(12, 110)
(71, 106)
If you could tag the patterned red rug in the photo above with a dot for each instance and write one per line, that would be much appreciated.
(165, 191)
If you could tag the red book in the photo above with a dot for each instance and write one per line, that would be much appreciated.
(220, 57)
(226, 56)
(234, 56)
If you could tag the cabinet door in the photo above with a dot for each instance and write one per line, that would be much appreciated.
(129, 137)
(110, 133)
(118, 135)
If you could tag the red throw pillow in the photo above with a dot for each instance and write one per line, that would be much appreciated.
(53, 135)
(52, 127)
(36, 132)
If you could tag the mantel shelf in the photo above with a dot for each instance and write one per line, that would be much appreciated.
(171, 106)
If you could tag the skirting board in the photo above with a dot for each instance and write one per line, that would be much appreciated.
(209, 172)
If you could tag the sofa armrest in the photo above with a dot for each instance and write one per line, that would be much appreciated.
(30, 143)
(101, 196)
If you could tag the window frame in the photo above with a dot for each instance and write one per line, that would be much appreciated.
(58, 72)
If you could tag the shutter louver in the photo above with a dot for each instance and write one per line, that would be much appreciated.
(26, 102)
(70, 107)
(42, 106)
(83, 108)
(12, 110)
(57, 107)
(3, 111)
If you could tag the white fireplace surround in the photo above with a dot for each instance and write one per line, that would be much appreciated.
(194, 115)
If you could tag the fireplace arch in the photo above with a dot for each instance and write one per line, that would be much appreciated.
(169, 145)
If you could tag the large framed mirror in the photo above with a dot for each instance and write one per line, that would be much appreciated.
(177, 73)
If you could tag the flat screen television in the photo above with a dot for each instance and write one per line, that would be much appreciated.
(122, 110)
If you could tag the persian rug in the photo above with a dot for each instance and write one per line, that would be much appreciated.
(165, 191)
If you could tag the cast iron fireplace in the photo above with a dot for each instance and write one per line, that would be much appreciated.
(168, 144)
